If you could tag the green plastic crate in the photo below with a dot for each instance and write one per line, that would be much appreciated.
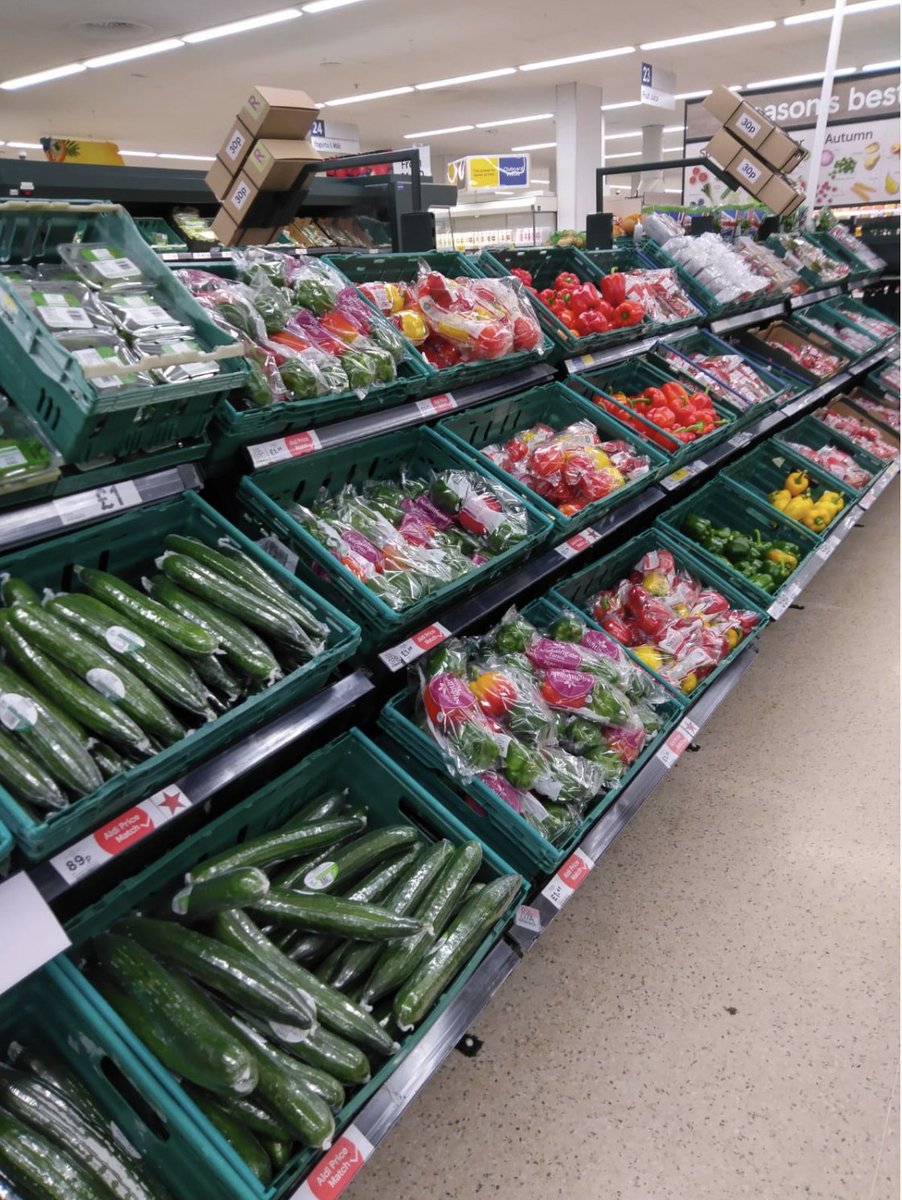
(630, 258)
(494, 821)
(48, 383)
(807, 318)
(47, 1013)
(764, 469)
(848, 310)
(809, 431)
(700, 293)
(558, 406)
(6, 848)
(633, 376)
(706, 343)
(581, 588)
(127, 546)
(403, 268)
(814, 278)
(160, 235)
(392, 798)
(727, 506)
(418, 452)
(835, 249)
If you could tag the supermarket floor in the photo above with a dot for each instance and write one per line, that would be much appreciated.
(714, 1016)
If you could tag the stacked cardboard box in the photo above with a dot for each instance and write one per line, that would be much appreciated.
(264, 151)
(754, 151)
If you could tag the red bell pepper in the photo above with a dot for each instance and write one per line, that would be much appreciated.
(523, 276)
(662, 416)
(613, 289)
(674, 391)
(630, 312)
(548, 296)
(566, 281)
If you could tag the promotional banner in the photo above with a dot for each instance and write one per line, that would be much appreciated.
(489, 171)
(82, 150)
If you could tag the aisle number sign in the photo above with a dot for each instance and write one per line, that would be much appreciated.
(489, 171)
(656, 86)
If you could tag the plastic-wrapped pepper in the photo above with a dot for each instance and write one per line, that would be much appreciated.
(522, 766)
(360, 369)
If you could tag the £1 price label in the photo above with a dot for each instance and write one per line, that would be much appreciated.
(677, 742)
(407, 652)
(99, 502)
(337, 1167)
(570, 876)
(578, 543)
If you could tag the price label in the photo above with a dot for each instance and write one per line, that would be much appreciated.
(235, 144)
(740, 439)
(578, 543)
(568, 879)
(240, 196)
(748, 172)
(678, 741)
(407, 652)
(336, 1168)
(101, 502)
(680, 476)
(786, 597)
(824, 551)
(30, 934)
(436, 404)
(279, 551)
(529, 918)
(84, 857)
(294, 445)
(748, 125)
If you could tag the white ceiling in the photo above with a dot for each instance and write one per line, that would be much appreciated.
(181, 101)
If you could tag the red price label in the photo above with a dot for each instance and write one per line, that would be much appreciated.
(430, 636)
(437, 404)
(337, 1168)
(294, 445)
(298, 444)
(679, 740)
(578, 543)
(569, 878)
(407, 652)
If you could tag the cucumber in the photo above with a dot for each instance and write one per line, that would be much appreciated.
(342, 1059)
(110, 761)
(279, 1151)
(318, 1083)
(329, 965)
(357, 958)
(174, 1012)
(219, 680)
(451, 951)
(155, 664)
(242, 570)
(242, 1141)
(252, 1115)
(44, 1065)
(334, 914)
(353, 860)
(26, 779)
(35, 693)
(184, 636)
(231, 889)
(243, 648)
(40, 1168)
(329, 804)
(8, 1191)
(398, 962)
(271, 848)
(306, 1114)
(82, 703)
(52, 1115)
(235, 974)
(332, 1009)
(250, 607)
(17, 591)
(97, 667)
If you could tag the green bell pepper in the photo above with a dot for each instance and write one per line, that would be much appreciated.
(522, 766)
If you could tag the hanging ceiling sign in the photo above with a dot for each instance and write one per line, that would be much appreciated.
(403, 168)
(657, 86)
(489, 171)
(82, 150)
(335, 137)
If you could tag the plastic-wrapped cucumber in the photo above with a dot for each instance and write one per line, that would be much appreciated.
(239, 1137)
(184, 636)
(271, 848)
(34, 1162)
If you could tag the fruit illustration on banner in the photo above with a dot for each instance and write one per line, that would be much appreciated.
(82, 151)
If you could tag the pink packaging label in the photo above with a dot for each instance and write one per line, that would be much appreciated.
(546, 653)
(360, 545)
(571, 687)
(502, 788)
(450, 694)
(600, 643)
(425, 510)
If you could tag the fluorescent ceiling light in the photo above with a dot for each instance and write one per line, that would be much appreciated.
(140, 153)
(711, 36)
(109, 60)
(11, 85)
(692, 95)
(440, 83)
(317, 6)
(534, 146)
(622, 104)
(515, 120)
(799, 78)
(824, 14)
(436, 132)
(673, 129)
(880, 66)
(578, 58)
(616, 137)
(672, 150)
(218, 31)
(673, 191)
(632, 154)
(190, 157)
(25, 145)
(398, 91)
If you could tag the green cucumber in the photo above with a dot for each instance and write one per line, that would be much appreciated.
(55, 1117)
(231, 889)
(26, 779)
(17, 591)
(252, 1116)
(250, 607)
(234, 974)
(307, 1116)
(97, 667)
(155, 664)
(48, 739)
(34, 693)
(110, 761)
(325, 969)
(8, 1191)
(82, 703)
(242, 1141)
(452, 951)
(173, 1012)
(227, 688)
(342, 1059)
(334, 914)
(399, 961)
(271, 848)
(353, 860)
(279, 1151)
(240, 569)
(329, 804)
(184, 636)
(333, 1009)
(358, 958)
(243, 648)
(45, 1065)
(318, 1083)
(39, 1167)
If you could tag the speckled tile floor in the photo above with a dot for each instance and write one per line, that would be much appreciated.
(715, 1014)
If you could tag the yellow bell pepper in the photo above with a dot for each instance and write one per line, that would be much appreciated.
(656, 583)
(650, 655)
(412, 326)
(819, 518)
(732, 636)
(689, 683)
(799, 507)
(598, 456)
(796, 483)
(782, 556)
(780, 498)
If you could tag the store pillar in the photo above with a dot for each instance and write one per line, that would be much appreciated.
(652, 151)
(579, 151)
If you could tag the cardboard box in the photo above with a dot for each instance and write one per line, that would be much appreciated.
(273, 165)
(722, 103)
(844, 408)
(780, 152)
(723, 148)
(219, 179)
(780, 196)
(750, 171)
(749, 125)
(278, 113)
(235, 149)
(239, 198)
(772, 340)
(230, 233)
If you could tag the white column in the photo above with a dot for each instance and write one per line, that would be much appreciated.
(579, 151)
(820, 131)
(652, 151)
